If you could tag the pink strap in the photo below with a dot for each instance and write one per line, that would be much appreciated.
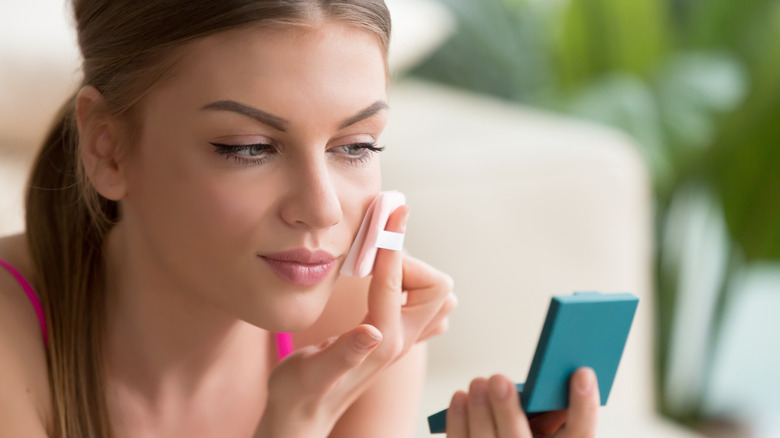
(284, 345)
(36, 303)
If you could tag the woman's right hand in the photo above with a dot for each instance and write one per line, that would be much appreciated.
(491, 409)
(310, 389)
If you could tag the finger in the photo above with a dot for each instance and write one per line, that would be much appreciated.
(326, 367)
(434, 330)
(384, 291)
(548, 423)
(480, 419)
(457, 416)
(440, 322)
(505, 404)
(429, 300)
(584, 403)
(424, 282)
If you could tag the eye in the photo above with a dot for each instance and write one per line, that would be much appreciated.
(256, 149)
(358, 152)
(248, 154)
(359, 148)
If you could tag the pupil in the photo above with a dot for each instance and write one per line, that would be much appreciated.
(255, 149)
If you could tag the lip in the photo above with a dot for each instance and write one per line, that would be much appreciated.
(301, 266)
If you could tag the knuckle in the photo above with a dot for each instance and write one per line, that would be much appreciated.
(393, 282)
(450, 304)
(435, 330)
(383, 355)
(442, 327)
(391, 349)
(328, 342)
(447, 282)
(397, 347)
(442, 282)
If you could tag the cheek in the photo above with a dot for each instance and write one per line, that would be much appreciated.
(203, 225)
(357, 191)
(196, 212)
(195, 216)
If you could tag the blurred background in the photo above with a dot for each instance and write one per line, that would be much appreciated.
(694, 85)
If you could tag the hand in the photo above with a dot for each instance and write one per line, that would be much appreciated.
(310, 390)
(491, 409)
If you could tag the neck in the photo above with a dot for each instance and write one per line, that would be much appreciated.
(165, 343)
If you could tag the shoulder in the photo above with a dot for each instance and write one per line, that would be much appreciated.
(14, 250)
(23, 370)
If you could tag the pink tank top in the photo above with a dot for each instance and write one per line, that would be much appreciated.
(284, 341)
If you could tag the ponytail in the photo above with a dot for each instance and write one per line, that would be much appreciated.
(65, 236)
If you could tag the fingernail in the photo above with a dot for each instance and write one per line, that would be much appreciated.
(499, 389)
(458, 404)
(365, 341)
(478, 391)
(405, 219)
(585, 381)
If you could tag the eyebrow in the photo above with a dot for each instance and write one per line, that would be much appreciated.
(261, 116)
(369, 111)
(279, 123)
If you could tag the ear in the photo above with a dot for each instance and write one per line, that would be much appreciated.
(99, 145)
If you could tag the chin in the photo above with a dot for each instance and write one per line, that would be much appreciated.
(286, 321)
(293, 311)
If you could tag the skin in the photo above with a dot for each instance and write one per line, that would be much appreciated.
(305, 189)
(306, 194)
(191, 307)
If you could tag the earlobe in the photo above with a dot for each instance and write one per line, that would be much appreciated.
(99, 145)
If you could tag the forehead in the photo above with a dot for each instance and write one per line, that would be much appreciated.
(295, 72)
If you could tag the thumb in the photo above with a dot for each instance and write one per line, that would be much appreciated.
(327, 366)
(584, 401)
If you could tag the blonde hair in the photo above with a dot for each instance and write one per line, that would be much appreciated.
(128, 47)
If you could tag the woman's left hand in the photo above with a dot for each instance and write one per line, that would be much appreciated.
(491, 409)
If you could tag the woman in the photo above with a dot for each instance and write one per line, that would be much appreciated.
(194, 200)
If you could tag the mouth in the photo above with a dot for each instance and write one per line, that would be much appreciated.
(301, 267)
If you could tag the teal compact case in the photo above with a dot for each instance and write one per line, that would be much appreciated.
(586, 329)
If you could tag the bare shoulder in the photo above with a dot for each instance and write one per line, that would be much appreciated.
(25, 401)
(14, 250)
(345, 310)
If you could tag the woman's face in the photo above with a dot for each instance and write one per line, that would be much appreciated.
(254, 168)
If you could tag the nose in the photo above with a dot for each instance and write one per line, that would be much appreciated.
(312, 201)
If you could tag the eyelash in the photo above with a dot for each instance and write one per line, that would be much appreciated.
(229, 151)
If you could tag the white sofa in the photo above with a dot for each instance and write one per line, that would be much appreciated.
(517, 205)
